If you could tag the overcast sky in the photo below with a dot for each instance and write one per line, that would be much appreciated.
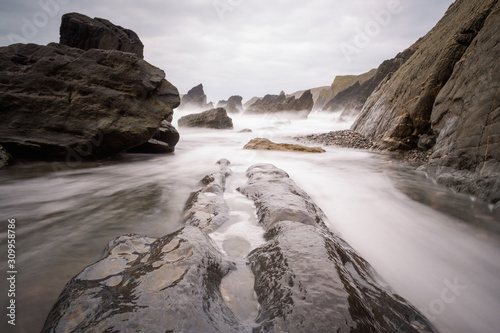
(244, 47)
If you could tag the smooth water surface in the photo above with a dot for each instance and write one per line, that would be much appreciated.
(438, 249)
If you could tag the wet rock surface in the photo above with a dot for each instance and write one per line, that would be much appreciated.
(80, 31)
(215, 118)
(56, 99)
(170, 284)
(206, 208)
(162, 142)
(307, 278)
(266, 144)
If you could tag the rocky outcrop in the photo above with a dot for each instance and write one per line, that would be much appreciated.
(266, 144)
(232, 105)
(83, 32)
(280, 103)
(215, 118)
(351, 100)
(195, 99)
(206, 207)
(340, 83)
(162, 142)
(449, 93)
(170, 284)
(57, 100)
(307, 278)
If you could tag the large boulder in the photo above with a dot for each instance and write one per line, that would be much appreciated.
(232, 105)
(307, 279)
(215, 118)
(57, 101)
(83, 32)
(450, 93)
(281, 103)
(5, 158)
(195, 99)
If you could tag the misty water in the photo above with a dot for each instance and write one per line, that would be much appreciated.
(438, 249)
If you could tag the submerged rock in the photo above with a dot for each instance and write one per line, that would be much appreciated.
(83, 32)
(56, 100)
(266, 144)
(307, 278)
(141, 284)
(215, 118)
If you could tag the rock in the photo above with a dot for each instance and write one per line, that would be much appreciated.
(195, 99)
(5, 158)
(245, 130)
(61, 102)
(170, 284)
(351, 100)
(266, 144)
(449, 92)
(215, 118)
(207, 208)
(83, 32)
(340, 83)
(162, 142)
(280, 103)
(426, 142)
(307, 278)
(232, 105)
(343, 138)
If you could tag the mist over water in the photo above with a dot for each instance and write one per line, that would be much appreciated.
(443, 256)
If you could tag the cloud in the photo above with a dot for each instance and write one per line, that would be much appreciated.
(241, 46)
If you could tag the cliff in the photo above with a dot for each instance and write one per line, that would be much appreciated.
(447, 90)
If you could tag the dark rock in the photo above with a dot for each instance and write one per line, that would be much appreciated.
(426, 142)
(195, 99)
(83, 32)
(162, 142)
(215, 118)
(351, 100)
(232, 105)
(245, 130)
(448, 92)
(280, 103)
(307, 278)
(58, 102)
(170, 284)
(266, 144)
(5, 158)
(206, 208)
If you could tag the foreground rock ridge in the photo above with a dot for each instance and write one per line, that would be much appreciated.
(307, 279)
(446, 98)
(62, 102)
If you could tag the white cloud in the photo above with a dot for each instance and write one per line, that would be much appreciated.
(259, 47)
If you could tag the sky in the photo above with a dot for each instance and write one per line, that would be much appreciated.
(244, 47)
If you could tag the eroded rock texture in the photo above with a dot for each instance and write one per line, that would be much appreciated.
(57, 99)
(307, 278)
(447, 94)
(170, 284)
(83, 32)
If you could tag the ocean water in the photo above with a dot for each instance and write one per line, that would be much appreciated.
(438, 249)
